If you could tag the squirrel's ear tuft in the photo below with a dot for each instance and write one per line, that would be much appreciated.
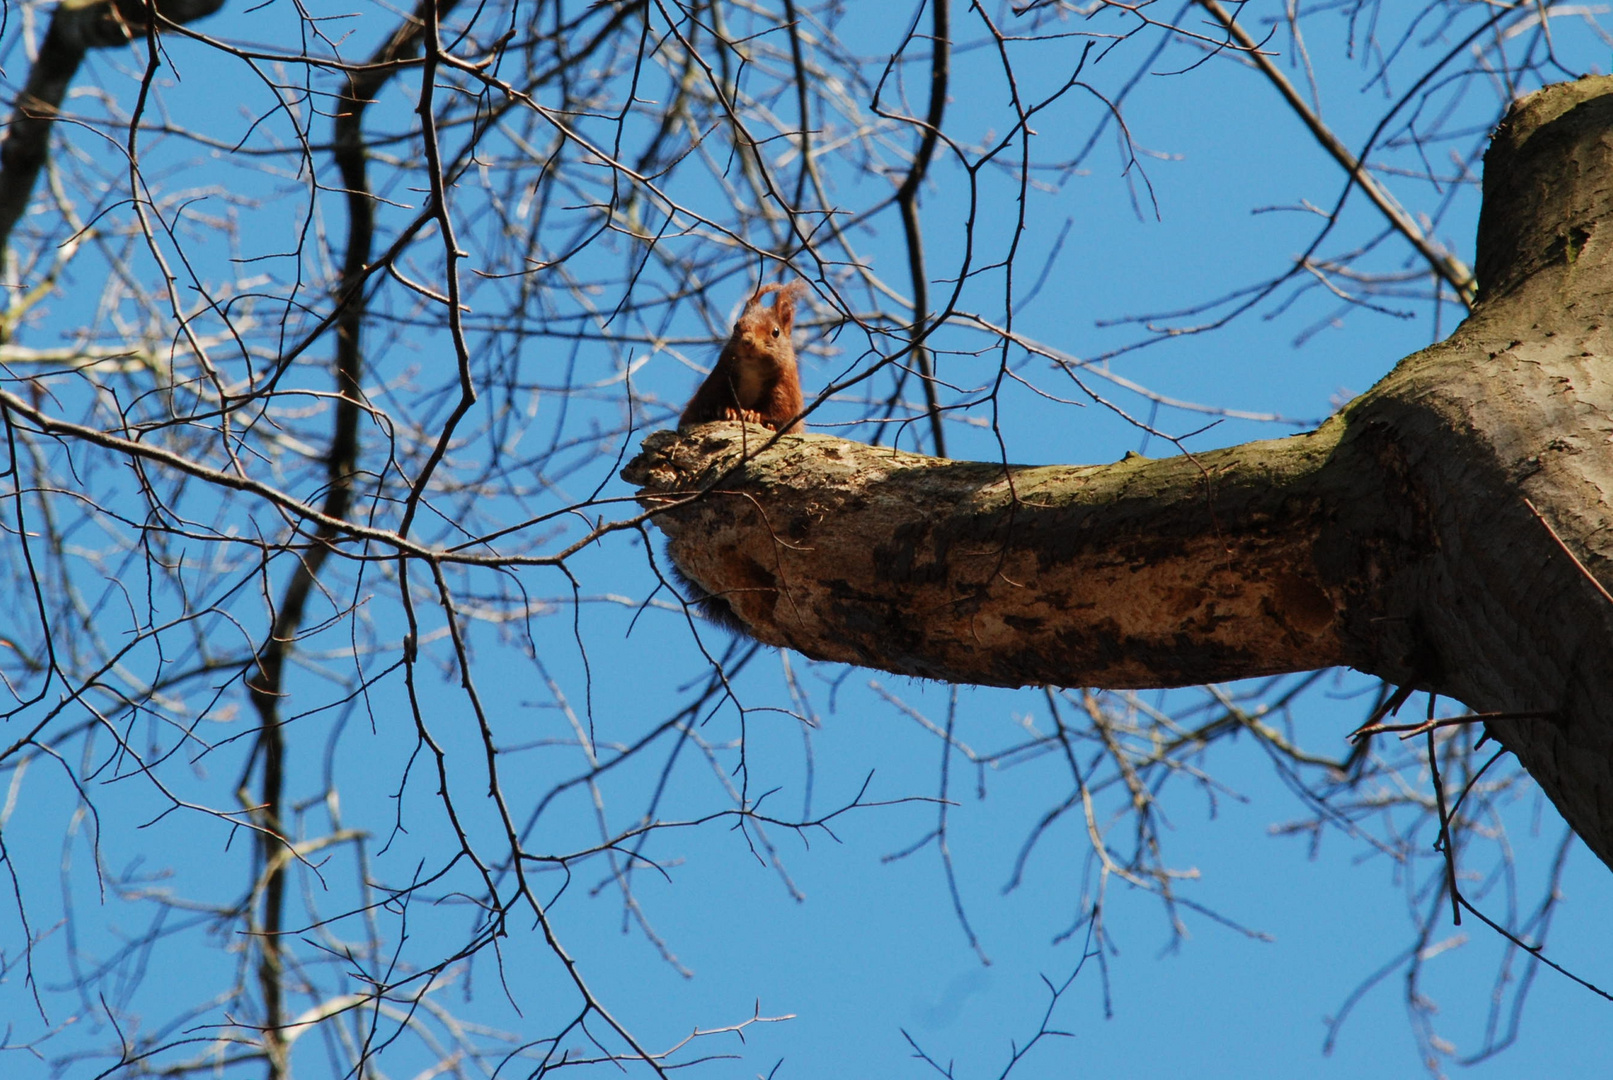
(784, 302)
(761, 293)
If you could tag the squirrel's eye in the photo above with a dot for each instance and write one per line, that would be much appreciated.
(775, 331)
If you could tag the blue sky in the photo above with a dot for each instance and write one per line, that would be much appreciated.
(824, 926)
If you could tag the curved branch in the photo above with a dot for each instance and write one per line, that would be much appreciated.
(907, 201)
(266, 682)
(76, 27)
(1444, 263)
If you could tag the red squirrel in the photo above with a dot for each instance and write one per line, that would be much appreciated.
(755, 380)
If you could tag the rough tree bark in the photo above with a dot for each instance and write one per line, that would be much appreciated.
(1445, 530)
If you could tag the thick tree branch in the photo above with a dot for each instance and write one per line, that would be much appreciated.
(1141, 573)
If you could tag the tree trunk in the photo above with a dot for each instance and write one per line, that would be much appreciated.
(1443, 530)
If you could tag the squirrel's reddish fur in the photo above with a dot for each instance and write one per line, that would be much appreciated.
(755, 378)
